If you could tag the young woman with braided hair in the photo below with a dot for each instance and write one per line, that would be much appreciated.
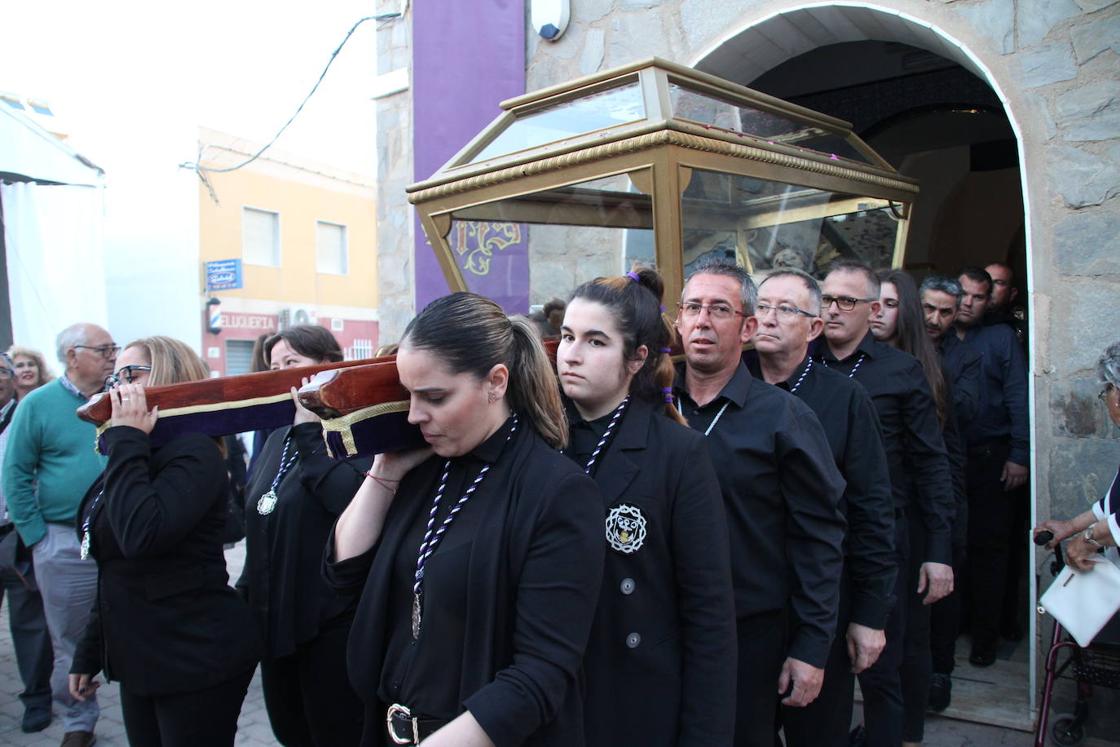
(660, 665)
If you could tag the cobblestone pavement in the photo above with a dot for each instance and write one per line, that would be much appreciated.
(252, 728)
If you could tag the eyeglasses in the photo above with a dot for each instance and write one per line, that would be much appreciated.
(105, 351)
(844, 303)
(718, 311)
(6, 373)
(785, 312)
(126, 375)
(1109, 388)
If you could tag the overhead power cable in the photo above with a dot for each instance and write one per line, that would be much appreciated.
(196, 165)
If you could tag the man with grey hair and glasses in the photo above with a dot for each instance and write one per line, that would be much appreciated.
(49, 464)
(788, 313)
(782, 493)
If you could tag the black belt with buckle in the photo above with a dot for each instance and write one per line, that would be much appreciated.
(404, 728)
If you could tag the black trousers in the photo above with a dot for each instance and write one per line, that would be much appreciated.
(945, 619)
(308, 696)
(989, 518)
(881, 683)
(916, 660)
(762, 651)
(203, 717)
(826, 721)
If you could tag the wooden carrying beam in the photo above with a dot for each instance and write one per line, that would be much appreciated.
(364, 409)
(234, 404)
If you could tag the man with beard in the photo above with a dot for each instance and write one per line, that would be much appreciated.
(1002, 308)
(781, 490)
(788, 315)
(998, 459)
(940, 298)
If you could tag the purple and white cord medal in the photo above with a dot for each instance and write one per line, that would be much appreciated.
(432, 538)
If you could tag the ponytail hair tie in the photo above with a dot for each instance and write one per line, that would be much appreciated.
(666, 351)
(633, 276)
(668, 390)
(663, 309)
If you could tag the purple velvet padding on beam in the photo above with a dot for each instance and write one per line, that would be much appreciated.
(388, 432)
(222, 422)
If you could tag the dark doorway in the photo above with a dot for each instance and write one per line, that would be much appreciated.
(937, 122)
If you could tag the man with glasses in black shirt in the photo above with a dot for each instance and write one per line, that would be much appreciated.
(998, 458)
(920, 483)
(781, 489)
(788, 313)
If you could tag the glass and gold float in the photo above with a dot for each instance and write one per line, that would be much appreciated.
(657, 163)
(652, 163)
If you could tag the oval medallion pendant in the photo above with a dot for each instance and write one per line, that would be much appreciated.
(266, 503)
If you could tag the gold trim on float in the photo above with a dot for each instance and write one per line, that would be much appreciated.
(645, 142)
(344, 424)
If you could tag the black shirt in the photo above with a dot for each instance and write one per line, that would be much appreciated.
(961, 364)
(284, 549)
(430, 684)
(852, 427)
(1003, 391)
(782, 493)
(919, 466)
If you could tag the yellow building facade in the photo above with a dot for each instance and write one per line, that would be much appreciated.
(299, 238)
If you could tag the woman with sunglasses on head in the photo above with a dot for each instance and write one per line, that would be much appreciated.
(662, 655)
(166, 623)
(478, 559)
(294, 496)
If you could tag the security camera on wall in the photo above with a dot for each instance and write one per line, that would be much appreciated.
(550, 17)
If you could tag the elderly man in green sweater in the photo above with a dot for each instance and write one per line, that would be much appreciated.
(49, 464)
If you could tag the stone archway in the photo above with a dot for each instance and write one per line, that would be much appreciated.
(756, 46)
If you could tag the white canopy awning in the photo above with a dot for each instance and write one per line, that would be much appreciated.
(33, 154)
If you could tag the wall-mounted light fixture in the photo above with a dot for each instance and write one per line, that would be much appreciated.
(550, 17)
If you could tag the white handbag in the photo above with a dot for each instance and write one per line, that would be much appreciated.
(1084, 601)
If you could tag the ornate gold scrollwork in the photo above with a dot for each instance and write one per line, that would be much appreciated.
(477, 241)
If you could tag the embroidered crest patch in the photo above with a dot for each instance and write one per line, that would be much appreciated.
(626, 528)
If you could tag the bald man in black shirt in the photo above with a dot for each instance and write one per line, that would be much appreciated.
(920, 483)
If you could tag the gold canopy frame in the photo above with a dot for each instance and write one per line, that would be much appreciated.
(657, 162)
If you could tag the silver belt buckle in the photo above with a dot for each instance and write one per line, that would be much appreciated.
(393, 711)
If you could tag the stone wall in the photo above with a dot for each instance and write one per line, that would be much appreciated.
(1057, 63)
(395, 223)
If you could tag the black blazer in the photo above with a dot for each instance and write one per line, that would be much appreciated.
(532, 582)
(282, 578)
(165, 620)
(661, 661)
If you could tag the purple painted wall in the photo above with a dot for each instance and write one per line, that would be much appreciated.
(466, 58)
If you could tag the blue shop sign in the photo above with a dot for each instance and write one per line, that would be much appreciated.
(223, 274)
